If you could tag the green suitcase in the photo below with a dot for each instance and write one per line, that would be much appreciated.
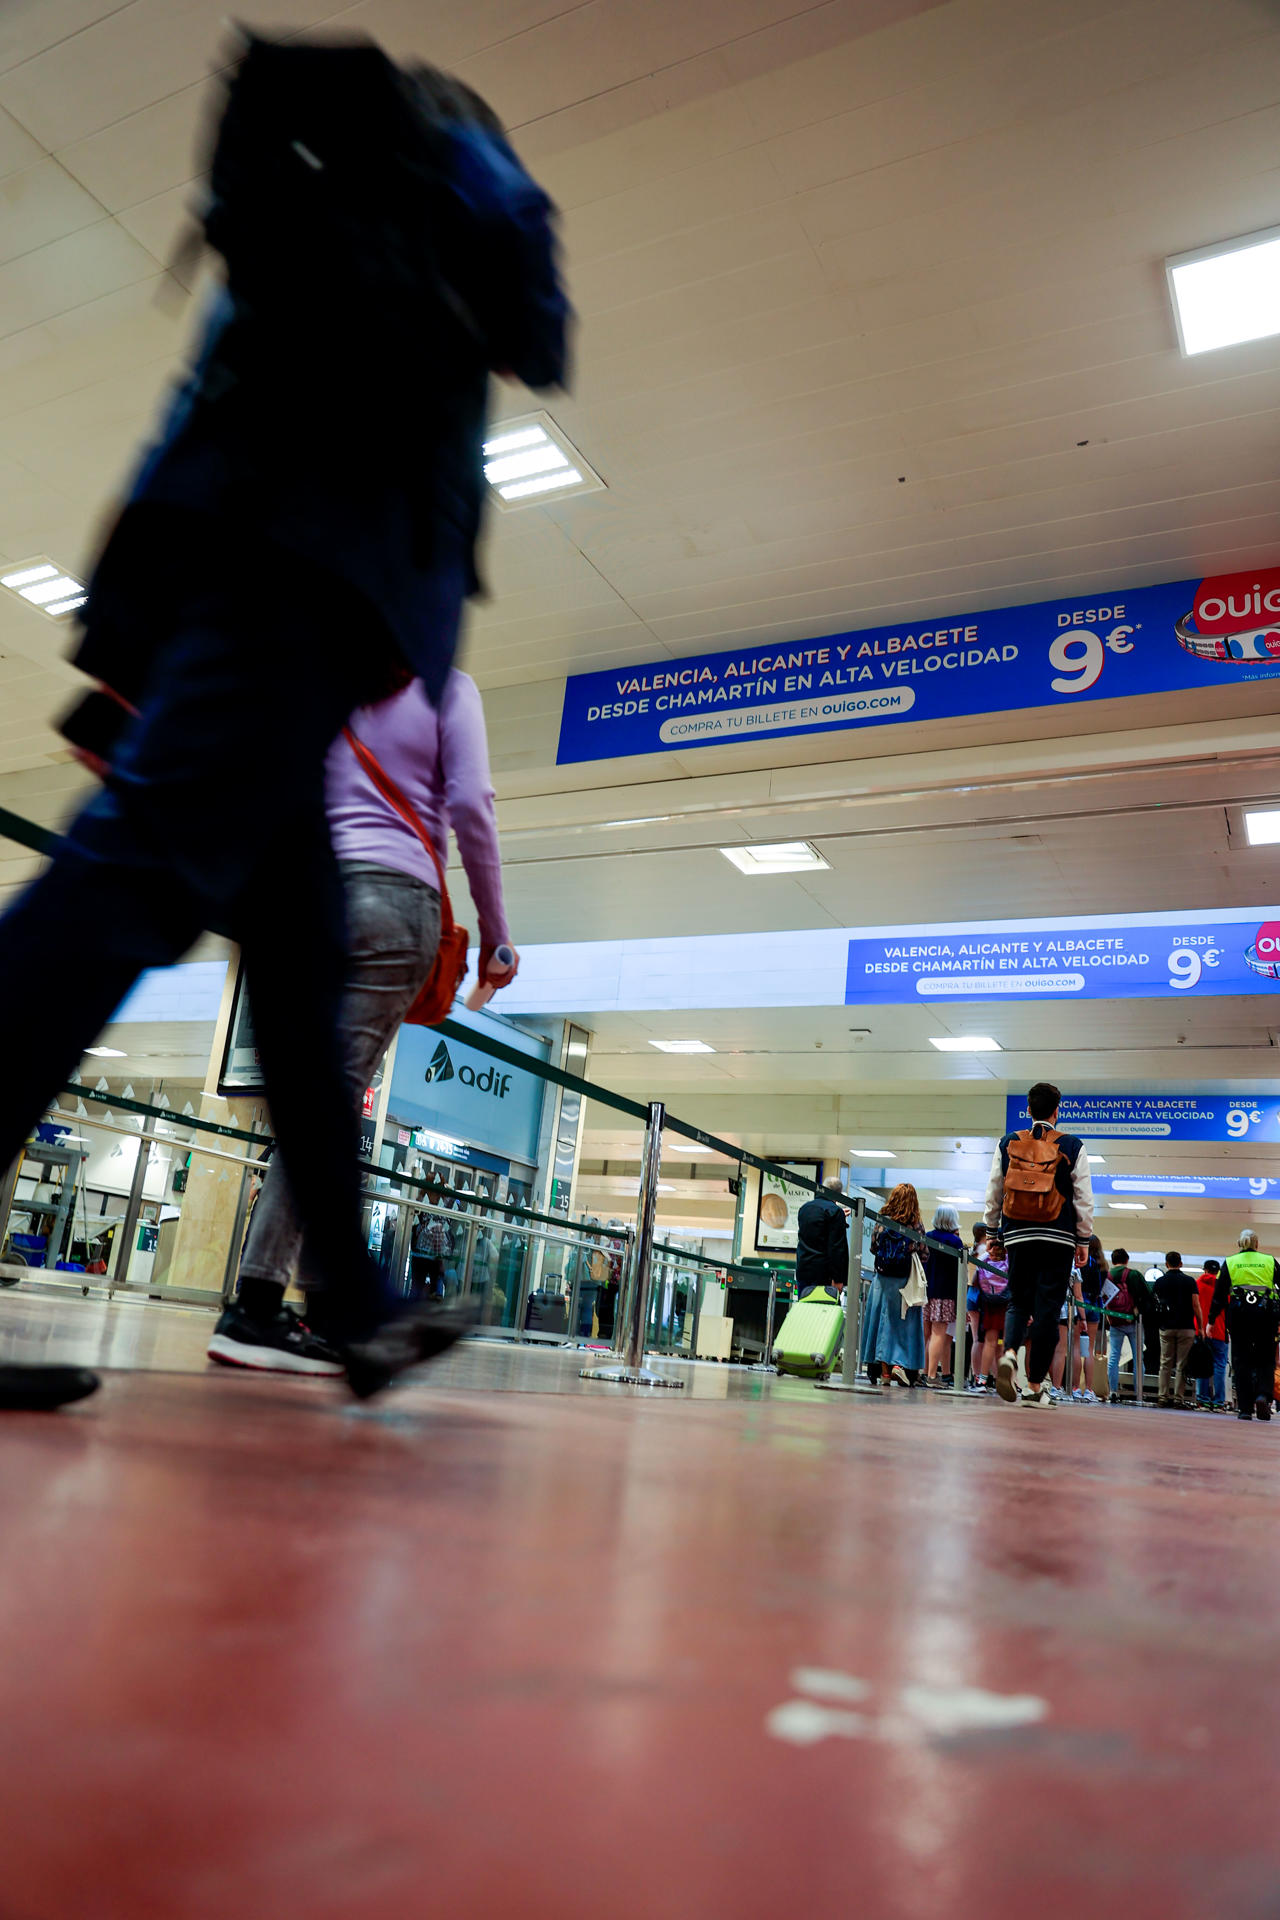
(809, 1338)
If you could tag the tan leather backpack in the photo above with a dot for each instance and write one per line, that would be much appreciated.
(1031, 1191)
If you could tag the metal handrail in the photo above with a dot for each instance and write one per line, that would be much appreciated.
(398, 1178)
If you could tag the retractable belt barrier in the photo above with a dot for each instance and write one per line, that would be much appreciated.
(632, 1326)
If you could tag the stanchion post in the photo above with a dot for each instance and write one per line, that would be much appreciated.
(700, 1287)
(133, 1207)
(962, 1319)
(633, 1372)
(1139, 1360)
(853, 1295)
(848, 1381)
(766, 1364)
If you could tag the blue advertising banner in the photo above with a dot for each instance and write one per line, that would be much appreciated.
(1158, 1116)
(1135, 957)
(1181, 1187)
(1181, 637)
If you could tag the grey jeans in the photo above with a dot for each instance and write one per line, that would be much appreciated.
(393, 930)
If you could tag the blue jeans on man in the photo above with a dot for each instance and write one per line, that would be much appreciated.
(1215, 1392)
(1118, 1336)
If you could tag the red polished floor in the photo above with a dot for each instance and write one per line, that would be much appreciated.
(521, 1654)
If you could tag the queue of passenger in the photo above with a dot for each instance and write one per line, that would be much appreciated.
(1049, 1318)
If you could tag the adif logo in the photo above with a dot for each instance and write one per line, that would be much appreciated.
(489, 1080)
(441, 1067)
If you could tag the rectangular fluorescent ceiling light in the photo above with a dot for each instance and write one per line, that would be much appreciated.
(1096, 1160)
(45, 586)
(107, 1053)
(964, 1043)
(530, 460)
(1127, 1206)
(1262, 828)
(784, 856)
(872, 1153)
(1226, 293)
(681, 1046)
(955, 1199)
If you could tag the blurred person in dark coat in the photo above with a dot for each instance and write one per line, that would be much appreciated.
(302, 530)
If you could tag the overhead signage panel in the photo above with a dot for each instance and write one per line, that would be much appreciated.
(1145, 957)
(1222, 950)
(965, 1189)
(1186, 636)
(1158, 1116)
(441, 1088)
(1211, 1187)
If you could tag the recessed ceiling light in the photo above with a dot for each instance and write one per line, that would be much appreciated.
(1096, 1160)
(1226, 293)
(681, 1046)
(1128, 1206)
(1262, 827)
(530, 459)
(45, 586)
(964, 1043)
(872, 1153)
(784, 856)
(107, 1053)
(956, 1199)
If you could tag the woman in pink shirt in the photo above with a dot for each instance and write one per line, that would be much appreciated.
(439, 760)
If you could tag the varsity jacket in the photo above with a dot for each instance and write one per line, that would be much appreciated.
(1074, 1223)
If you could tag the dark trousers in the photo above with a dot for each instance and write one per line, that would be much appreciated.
(215, 817)
(1251, 1325)
(1039, 1275)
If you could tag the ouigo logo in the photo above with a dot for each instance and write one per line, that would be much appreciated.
(1264, 955)
(1235, 618)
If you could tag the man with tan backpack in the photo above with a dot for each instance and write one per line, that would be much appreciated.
(1040, 1206)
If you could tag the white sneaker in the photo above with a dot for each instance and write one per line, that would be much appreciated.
(1043, 1397)
(1085, 1397)
(1007, 1377)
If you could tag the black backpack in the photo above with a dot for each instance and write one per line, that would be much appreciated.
(892, 1254)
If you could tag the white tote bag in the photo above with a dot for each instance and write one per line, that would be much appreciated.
(915, 1290)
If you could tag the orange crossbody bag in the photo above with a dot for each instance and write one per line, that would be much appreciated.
(439, 990)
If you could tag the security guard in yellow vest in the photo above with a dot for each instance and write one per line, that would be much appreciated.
(1249, 1288)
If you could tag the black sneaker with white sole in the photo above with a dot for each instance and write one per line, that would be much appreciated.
(283, 1345)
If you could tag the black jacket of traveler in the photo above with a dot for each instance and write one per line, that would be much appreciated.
(1177, 1298)
(822, 1245)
